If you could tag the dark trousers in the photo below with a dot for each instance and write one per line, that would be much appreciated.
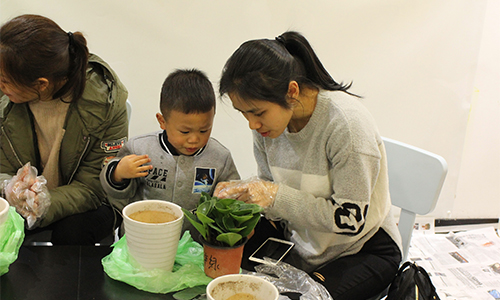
(359, 276)
(86, 228)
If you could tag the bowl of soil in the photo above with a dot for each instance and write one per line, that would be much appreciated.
(241, 287)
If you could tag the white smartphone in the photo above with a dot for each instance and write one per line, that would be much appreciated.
(273, 250)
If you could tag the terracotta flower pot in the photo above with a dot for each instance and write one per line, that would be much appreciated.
(220, 261)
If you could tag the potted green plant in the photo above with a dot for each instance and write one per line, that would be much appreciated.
(224, 225)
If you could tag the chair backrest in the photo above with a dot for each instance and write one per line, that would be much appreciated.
(129, 109)
(416, 177)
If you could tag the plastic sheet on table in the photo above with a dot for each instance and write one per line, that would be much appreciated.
(187, 272)
(11, 238)
(289, 279)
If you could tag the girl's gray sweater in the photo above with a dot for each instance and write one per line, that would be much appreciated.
(333, 191)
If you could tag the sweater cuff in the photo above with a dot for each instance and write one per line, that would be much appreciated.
(109, 177)
(284, 198)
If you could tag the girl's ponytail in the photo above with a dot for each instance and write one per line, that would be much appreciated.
(309, 68)
(78, 54)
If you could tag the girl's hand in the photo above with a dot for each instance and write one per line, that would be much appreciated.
(253, 190)
(132, 166)
(29, 194)
(221, 186)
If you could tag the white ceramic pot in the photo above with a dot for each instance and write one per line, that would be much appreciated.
(4, 210)
(223, 287)
(153, 245)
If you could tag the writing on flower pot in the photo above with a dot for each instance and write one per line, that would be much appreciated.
(211, 262)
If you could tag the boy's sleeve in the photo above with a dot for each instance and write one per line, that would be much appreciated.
(118, 195)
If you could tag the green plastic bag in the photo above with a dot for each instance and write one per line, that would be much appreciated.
(11, 238)
(187, 272)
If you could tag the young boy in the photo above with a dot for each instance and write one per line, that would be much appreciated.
(180, 162)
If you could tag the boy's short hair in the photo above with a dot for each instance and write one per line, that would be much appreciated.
(187, 91)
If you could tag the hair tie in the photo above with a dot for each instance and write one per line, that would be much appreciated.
(71, 47)
(280, 40)
(71, 38)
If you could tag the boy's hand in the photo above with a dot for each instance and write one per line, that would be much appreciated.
(132, 166)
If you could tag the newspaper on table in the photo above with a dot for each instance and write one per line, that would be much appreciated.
(463, 265)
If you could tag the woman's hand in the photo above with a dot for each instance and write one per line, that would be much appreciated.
(253, 190)
(132, 166)
(28, 193)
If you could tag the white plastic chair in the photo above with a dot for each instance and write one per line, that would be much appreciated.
(416, 177)
(129, 109)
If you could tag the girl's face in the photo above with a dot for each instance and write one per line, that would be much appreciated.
(267, 118)
(16, 93)
(187, 132)
(41, 90)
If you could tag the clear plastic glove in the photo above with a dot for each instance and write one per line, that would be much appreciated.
(252, 190)
(28, 193)
(287, 278)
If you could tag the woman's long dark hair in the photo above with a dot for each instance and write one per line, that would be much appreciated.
(33, 46)
(262, 69)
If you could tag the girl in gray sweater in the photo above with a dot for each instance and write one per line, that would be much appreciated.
(321, 163)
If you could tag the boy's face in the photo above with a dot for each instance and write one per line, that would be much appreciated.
(187, 132)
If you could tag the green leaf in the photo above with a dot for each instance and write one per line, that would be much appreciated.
(219, 222)
(242, 212)
(216, 228)
(193, 220)
(242, 208)
(230, 225)
(223, 209)
(190, 216)
(255, 208)
(241, 219)
(226, 202)
(229, 238)
(205, 208)
(204, 197)
(258, 209)
(204, 219)
(250, 225)
(190, 293)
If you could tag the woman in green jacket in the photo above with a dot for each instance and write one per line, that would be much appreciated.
(63, 111)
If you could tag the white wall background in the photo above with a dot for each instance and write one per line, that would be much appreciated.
(429, 70)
